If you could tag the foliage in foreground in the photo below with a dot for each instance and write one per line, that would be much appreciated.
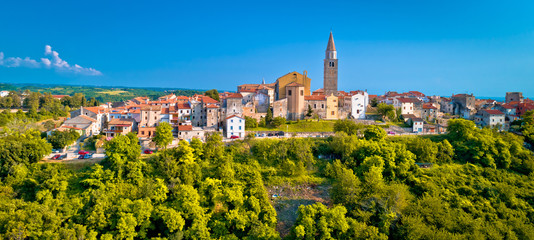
(480, 187)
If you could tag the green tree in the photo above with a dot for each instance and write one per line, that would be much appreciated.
(268, 117)
(374, 133)
(309, 113)
(61, 139)
(213, 93)
(386, 111)
(278, 121)
(374, 102)
(250, 122)
(163, 136)
(347, 126)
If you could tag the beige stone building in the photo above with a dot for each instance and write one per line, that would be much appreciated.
(332, 103)
(295, 101)
(280, 108)
(283, 81)
(150, 116)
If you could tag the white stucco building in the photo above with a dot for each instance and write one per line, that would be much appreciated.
(359, 102)
(235, 126)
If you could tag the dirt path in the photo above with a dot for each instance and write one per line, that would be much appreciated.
(286, 200)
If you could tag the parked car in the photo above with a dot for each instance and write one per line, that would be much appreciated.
(86, 156)
(82, 152)
(82, 156)
(56, 156)
(391, 133)
(234, 137)
(270, 134)
(62, 157)
(148, 151)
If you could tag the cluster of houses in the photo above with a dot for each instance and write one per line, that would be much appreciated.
(431, 113)
(189, 116)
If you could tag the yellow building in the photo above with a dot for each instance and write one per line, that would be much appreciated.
(283, 81)
(332, 107)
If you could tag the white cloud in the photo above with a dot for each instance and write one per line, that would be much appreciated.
(51, 60)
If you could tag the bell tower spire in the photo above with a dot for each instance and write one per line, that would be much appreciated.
(330, 68)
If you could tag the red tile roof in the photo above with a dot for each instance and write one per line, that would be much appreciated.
(406, 100)
(315, 98)
(493, 112)
(294, 84)
(417, 93)
(182, 128)
(234, 95)
(234, 116)
(183, 106)
(429, 106)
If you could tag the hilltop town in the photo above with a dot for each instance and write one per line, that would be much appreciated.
(289, 98)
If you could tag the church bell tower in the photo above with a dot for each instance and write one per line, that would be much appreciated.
(330, 68)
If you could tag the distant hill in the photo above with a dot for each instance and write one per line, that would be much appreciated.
(101, 93)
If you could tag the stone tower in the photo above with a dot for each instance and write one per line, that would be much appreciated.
(330, 68)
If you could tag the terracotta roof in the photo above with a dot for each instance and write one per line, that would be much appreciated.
(265, 87)
(417, 93)
(373, 96)
(183, 105)
(69, 127)
(417, 119)
(429, 106)
(121, 121)
(406, 100)
(212, 106)
(234, 116)
(248, 90)
(95, 109)
(182, 98)
(185, 128)
(234, 95)
(151, 108)
(493, 112)
(508, 106)
(207, 99)
(315, 98)
(294, 84)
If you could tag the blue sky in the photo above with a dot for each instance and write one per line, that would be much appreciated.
(437, 47)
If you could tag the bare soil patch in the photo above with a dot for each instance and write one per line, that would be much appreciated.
(286, 199)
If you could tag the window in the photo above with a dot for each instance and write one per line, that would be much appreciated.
(332, 113)
(314, 105)
(322, 105)
(239, 120)
(289, 92)
(231, 127)
(232, 120)
(180, 111)
(301, 92)
(239, 127)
